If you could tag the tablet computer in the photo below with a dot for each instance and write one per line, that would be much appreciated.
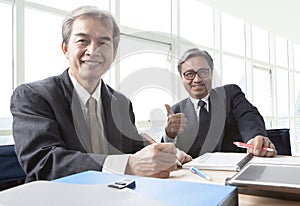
(279, 181)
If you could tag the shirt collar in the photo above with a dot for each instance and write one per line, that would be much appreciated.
(195, 101)
(82, 93)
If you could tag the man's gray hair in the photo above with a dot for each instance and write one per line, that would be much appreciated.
(104, 16)
(193, 53)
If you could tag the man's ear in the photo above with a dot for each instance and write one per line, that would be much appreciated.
(64, 48)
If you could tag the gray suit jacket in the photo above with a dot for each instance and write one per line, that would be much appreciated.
(50, 133)
(233, 118)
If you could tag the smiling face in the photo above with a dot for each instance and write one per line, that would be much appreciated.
(198, 87)
(90, 50)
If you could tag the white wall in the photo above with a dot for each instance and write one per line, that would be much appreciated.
(278, 16)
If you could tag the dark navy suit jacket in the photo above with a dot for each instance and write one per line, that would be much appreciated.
(233, 118)
(51, 138)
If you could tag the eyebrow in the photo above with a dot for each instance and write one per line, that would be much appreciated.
(190, 70)
(107, 38)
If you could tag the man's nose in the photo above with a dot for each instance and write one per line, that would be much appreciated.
(93, 49)
(197, 78)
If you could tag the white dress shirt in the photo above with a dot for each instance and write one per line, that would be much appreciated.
(112, 163)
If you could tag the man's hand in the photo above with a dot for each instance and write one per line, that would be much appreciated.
(259, 142)
(176, 123)
(155, 160)
(182, 156)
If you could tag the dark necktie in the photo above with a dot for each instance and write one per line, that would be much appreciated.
(204, 122)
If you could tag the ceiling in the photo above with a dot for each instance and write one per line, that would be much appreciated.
(281, 17)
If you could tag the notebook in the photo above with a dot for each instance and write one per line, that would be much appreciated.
(228, 161)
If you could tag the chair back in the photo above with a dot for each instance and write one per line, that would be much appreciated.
(11, 172)
(281, 140)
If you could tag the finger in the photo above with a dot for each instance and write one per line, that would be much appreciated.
(182, 156)
(179, 118)
(274, 153)
(162, 162)
(163, 174)
(267, 143)
(169, 110)
(172, 168)
(165, 147)
(258, 144)
(188, 158)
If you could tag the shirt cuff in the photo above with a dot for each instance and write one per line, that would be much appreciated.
(115, 164)
(168, 139)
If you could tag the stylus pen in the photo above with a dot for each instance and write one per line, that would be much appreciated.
(199, 172)
(244, 145)
(152, 141)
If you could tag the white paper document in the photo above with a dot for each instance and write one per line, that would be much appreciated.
(220, 161)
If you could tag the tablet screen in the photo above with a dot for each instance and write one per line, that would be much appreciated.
(270, 175)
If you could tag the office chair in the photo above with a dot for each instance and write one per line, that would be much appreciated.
(281, 140)
(11, 172)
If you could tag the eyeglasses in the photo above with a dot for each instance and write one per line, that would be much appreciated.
(190, 75)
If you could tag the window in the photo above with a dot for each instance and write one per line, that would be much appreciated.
(6, 59)
(145, 78)
(135, 58)
(297, 93)
(298, 132)
(281, 51)
(43, 54)
(197, 22)
(154, 15)
(282, 86)
(260, 39)
(262, 90)
(234, 71)
(72, 4)
(296, 57)
(233, 34)
(146, 63)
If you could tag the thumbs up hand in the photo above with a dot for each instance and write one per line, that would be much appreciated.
(176, 123)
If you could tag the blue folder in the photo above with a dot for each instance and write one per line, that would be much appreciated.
(166, 191)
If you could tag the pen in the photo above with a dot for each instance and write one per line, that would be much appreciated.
(152, 141)
(244, 145)
(200, 173)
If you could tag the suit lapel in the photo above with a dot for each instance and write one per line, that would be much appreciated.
(75, 115)
(67, 86)
(217, 100)
(187, 138)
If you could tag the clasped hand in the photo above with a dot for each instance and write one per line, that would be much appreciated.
(156, 160)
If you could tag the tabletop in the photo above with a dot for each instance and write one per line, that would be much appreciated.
(219, 177)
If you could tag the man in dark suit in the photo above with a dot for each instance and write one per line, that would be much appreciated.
(212, 119)
(51, 118)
